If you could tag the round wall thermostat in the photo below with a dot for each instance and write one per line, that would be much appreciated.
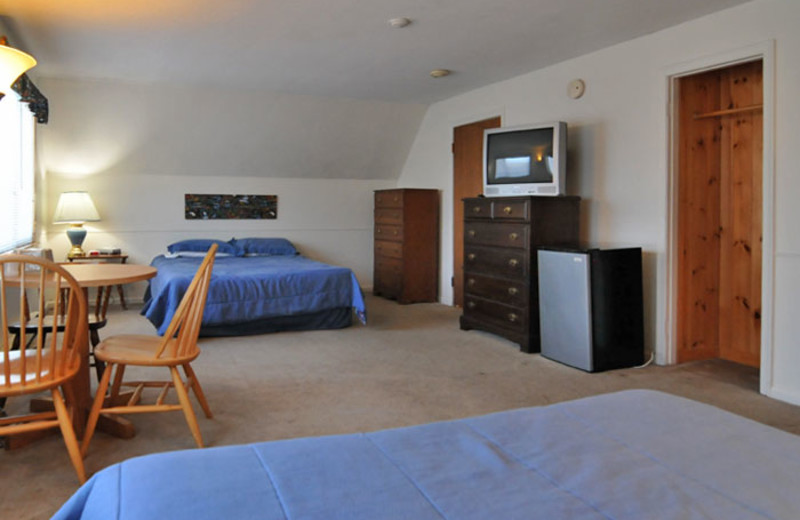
(576, 88)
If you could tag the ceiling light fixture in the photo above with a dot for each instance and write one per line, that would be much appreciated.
(13, 63)
(399, 23)
(440, 73)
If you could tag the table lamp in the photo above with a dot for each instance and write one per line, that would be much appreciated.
(75, 208)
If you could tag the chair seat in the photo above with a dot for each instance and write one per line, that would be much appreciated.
(138, 349)
(31, 373)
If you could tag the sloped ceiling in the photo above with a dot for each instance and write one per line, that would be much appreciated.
(342, 48)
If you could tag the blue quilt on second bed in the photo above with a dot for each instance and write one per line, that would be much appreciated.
(245, 290)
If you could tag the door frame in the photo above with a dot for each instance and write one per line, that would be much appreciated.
(765, 51)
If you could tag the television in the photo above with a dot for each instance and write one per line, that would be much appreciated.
(525, 160)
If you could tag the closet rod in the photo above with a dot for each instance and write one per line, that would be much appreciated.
(729, 111)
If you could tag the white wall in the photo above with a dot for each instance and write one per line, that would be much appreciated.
(138, 148)
(327, 220)
(618, 152)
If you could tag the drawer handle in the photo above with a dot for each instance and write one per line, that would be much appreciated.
(395, 232)
(513, 291)
(378, 231)
(476, 209)
(471, 305)
(471, 233)
(471, 256)
(513, 236)
(507, 210)
(513, 317)
(513, 262)
(471, 282)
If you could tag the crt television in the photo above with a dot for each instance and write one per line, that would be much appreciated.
(525, 160)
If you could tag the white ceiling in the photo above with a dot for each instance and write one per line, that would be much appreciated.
(342, 48)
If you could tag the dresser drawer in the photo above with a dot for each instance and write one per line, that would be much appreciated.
(478, 208)
(388, 248)
(506, 209)
(506, 316)
(505, 263)
(389, 216)
(511, 292)
(496, 234)
(388, 232)
(389, 199)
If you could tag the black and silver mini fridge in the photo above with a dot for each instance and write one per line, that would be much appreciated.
(590, 307)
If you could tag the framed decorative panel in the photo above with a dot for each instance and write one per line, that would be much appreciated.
(217, 207)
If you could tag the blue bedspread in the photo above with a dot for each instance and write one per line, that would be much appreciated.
(634, 455)
(245, 290)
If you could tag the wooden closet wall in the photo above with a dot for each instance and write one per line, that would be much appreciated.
(720, 214)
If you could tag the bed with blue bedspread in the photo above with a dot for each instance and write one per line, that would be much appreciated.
(637, 455)
(254, 293)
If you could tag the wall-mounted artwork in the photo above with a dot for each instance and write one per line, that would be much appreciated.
(215, 207)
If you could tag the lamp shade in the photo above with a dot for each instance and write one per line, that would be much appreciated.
(75, 207)
(13, 63)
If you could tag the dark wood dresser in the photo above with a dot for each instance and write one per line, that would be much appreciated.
(407, 245)
(500, 276)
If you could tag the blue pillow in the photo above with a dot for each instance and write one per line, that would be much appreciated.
(202, 245)
(263, 246)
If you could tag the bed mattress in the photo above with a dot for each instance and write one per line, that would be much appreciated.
(630, 455)
(251, 295)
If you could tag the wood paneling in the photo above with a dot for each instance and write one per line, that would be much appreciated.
(719, 223)
(741, 216)
(467, 182)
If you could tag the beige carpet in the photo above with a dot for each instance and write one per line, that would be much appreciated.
(409, 365)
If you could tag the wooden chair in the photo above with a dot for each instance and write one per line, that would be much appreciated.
(47, 363)
(178, 347)
(97, 320)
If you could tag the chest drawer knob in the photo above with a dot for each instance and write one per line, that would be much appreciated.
(471, 282)
(513, 236)
(513, 262)
(395, 232)
(476, 209)
(471, 305)
(507, 210)
(471, 257)
(471, 233)
(378, 231)
(513, 291)
(513, 318)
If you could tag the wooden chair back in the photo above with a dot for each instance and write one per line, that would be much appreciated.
(34, 284)
(180, 339)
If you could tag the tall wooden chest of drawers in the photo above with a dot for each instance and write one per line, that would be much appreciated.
(407, 245)
(500, 276)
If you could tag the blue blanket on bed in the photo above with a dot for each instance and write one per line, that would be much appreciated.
(247, 289)
(635, 455)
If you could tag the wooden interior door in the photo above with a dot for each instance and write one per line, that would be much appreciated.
(720, 140)
(467, 182)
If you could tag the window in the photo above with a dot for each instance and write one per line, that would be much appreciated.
(16, 173)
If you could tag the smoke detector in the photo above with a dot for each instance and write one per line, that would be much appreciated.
(440, 73)
(399, 22)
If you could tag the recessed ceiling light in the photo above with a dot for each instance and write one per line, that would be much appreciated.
(439, 73)
(399, 22)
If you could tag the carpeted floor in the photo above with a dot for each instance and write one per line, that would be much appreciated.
(409, 365)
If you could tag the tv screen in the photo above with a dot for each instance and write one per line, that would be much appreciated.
(525, 160)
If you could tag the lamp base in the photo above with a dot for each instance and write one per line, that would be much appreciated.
(76, 235)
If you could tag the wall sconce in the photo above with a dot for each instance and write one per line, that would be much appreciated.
(75, 208)
(13, 63)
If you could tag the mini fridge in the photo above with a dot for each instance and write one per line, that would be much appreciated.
(590, 307)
